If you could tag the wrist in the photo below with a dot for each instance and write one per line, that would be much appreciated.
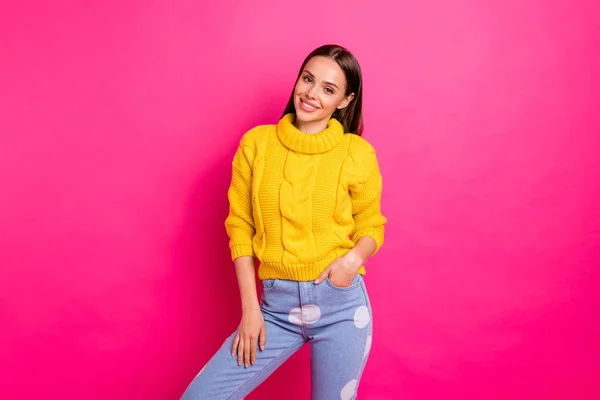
(354, 259)
(250, 310)
(250, 305)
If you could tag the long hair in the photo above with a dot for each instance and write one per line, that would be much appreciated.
(351, 115)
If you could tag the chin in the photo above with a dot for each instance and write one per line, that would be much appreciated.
(305, 117)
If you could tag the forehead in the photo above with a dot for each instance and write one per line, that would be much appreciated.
(326, 69)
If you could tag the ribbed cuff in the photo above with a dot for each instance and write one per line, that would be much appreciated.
(376, 233)
(241, 250)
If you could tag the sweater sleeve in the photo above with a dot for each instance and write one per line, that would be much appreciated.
(240, 222)
(365, 192)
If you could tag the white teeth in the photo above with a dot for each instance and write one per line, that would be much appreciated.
(308, 106)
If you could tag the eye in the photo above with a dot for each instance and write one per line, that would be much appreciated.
(307, 79)
(329, 90)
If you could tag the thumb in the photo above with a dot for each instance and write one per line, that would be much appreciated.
(323, 275)
(263, 337)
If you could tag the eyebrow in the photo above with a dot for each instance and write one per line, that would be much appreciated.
(329, 83)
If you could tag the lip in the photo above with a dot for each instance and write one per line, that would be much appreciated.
(303, 101)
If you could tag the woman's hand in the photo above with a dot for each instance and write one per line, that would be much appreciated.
(342, 270)
(250, 332)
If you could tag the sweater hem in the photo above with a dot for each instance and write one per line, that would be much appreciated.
(296, 272)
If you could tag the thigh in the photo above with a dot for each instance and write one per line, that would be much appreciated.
(222, 378)
(340, 346)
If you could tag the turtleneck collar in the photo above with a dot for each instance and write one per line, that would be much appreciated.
(309, 143)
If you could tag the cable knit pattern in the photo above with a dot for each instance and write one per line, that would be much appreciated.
(342, 218)
(296, 208)
(298, 201)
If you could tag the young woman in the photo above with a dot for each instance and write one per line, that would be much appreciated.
(305, 200)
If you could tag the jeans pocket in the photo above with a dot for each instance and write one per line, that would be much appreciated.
(355, 283)
(269, 284)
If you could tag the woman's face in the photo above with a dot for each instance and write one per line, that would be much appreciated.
(320, 90)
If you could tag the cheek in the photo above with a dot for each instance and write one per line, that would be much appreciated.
(331, 102)
(299, 88)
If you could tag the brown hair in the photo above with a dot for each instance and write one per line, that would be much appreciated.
(351, 115)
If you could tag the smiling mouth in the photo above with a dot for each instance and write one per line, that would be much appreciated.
(307, 107)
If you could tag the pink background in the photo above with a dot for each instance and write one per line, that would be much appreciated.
(118, 123)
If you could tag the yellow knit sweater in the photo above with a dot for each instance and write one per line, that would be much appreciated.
(298, 201)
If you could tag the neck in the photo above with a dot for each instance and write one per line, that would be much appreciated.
(310, 127)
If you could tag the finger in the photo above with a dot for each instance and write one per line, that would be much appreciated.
(263, 337)
(247, 352)
(236, 341)
(253, 344)
(323, 275)
(344, 282)
(240, 352)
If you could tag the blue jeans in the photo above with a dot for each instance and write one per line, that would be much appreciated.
(335, 321)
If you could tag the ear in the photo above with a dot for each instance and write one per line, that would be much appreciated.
(346, 101)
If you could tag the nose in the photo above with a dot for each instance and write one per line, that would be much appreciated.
(310, 93)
